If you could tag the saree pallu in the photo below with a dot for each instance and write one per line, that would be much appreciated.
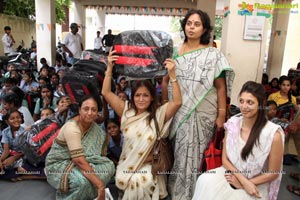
(58, 165)
(193, 124)
(133, 176)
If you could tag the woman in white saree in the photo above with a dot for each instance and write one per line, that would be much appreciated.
(133, 174)
(252, 154)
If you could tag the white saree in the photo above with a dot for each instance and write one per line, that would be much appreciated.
(133, 177)
(193, 124)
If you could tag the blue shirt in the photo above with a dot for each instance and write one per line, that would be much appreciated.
(26, 86)
(7, 137)
(114, 150)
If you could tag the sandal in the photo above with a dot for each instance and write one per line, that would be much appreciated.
(16, 179)
(295, 176)
(294, 189)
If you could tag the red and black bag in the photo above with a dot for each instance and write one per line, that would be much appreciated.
(85, 78)
(142, 53)
(212, 157)
(36, 142)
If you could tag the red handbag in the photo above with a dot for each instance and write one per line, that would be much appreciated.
(212, 157)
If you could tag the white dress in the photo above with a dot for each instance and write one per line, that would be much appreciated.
(213, 185)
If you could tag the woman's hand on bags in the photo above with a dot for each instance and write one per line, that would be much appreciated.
(170, 66)
(111, 58)
(251, 188)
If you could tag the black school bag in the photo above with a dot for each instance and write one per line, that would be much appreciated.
(94, 68)
(142, 53)
(36, 142)
(78, 84)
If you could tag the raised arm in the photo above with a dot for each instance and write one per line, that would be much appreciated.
(111, 98)
(164, 89)
(176, 102)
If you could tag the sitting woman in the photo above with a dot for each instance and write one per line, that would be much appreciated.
(74, 165)
(252, 154)
(286, 102)
(133, 174)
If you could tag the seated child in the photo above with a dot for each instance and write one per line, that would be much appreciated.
(114, 140)
(272, 115)
(47, 112)
(12, 163)
(11, 159)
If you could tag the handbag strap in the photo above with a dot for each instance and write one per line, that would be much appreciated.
(157, 128)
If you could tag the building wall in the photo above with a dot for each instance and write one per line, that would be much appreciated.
(22, 29)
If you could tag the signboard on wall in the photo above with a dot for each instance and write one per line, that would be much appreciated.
(254, 27)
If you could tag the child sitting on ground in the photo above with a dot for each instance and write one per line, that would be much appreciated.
(11, 159)
(272, 115)
(114, 140)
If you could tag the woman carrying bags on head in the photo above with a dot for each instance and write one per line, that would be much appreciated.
(133, 174)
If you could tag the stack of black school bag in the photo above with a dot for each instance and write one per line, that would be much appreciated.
(142, 53)
(84, 78)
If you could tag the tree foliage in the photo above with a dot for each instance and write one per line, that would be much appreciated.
(26, 8)
(176, 27)
(218, 26)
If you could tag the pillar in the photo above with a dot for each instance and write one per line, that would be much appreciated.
(278, 39)
(100, 21)
(208, 6)
(45, 30)
(246, 57)
(291, 55)
(79, 18)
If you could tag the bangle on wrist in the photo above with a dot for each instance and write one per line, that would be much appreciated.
(222, 109)
(108, 74)
(173, 80)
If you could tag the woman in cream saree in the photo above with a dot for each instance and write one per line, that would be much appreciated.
(133, 176)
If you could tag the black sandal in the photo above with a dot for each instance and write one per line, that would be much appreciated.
(295, 176)
(294, 189)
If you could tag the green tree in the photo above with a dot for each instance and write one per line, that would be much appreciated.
(176, 27)
(26, 8)
(218, 26)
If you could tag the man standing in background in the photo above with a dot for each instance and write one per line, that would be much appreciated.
(72, 44)
(98, 43)
(8, 41)
(108, 41)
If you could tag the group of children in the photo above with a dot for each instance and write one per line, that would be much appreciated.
(32, 99)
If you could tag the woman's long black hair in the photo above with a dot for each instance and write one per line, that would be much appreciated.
(257, 90)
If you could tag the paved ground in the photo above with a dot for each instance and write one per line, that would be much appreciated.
(41, 190)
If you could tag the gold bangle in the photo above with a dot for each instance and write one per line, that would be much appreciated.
(173, 80)
(222, 109)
